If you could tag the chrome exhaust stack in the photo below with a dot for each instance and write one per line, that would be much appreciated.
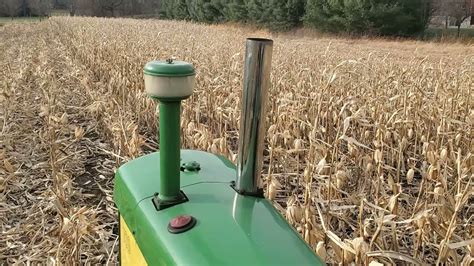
(258, 57)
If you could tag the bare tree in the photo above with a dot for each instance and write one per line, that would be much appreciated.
(83, 7)
(459, 10)
(110, 7)
(440, 8)
(11, 7)
(39, 7)
(72, 8)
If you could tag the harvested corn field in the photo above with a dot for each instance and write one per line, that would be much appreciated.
(368, 152)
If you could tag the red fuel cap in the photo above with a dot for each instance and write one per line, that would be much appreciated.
(181, 223)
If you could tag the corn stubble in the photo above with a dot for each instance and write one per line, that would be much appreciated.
(369, 146)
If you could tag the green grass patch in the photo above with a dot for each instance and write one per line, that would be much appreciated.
(59, 12)
(5, 20)
(448, 34)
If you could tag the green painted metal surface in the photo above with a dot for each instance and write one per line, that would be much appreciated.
(170, 149)
(231, 229)
(169, 69)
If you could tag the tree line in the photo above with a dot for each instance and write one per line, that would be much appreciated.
(275, 14)
(24, 8)
(101, 8)
(373, 17)
(114, 8)
(382, 17)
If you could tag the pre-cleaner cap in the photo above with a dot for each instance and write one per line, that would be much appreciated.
(169, 80)
(169, 68)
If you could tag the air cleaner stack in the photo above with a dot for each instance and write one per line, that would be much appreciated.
(186, 207)
(169, 83)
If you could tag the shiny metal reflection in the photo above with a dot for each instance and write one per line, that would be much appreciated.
(258, 57)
